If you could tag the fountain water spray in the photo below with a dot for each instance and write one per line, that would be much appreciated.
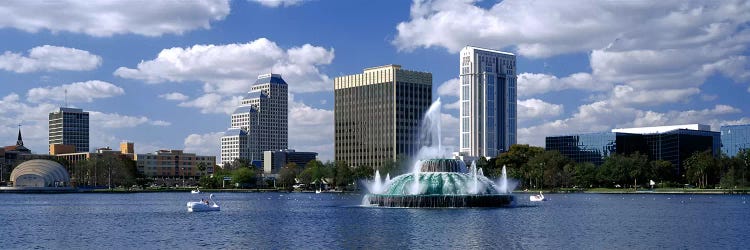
(436, 180)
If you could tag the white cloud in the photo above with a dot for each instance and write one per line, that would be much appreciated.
(530, 84)
(212, 103)
(538, 109)
(115, 120)
(204, 144)
(646, 49)
(622, 95)
(49, 58)
(450, 130)
(311, 129)
(568, 26)
(278, 3)
(602, 116)
(453, 105)
(449, 88)
(174, 96)
(76, 92)
(107, 18)
(232, 68)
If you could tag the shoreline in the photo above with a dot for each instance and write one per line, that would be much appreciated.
(595, 191)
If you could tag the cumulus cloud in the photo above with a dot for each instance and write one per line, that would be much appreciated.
(567, 27)
(537, 109)
(107, 18)
(449, 88)
(303, 120)
(603, 116)
(76, 92)
(623, 95)
(115, 120)
(278, 3)
(213, 103)
(174, 96)
(530, 84)
(49, 58)
(34, 118)
(232, 68)
(450, 130)
(204, 144)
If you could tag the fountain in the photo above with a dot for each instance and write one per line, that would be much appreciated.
(436, 181)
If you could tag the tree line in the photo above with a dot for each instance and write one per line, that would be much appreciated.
(533, 168)
(536, 168)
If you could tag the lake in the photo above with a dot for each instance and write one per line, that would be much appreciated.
(336, 221)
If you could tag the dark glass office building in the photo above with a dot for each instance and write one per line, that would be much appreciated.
(735, 138)
(70, 126)
(674, 146)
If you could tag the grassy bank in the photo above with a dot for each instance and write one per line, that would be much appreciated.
(645, 191)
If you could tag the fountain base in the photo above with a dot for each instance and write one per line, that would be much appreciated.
(436, 201)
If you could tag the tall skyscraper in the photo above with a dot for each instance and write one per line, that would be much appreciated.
(378, 114)
(488, 101)
(260, 123)
(70, 126)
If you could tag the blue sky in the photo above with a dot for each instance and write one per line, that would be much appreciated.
(165, 75)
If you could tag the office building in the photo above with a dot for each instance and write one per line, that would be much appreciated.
(273, 161)
(174, 164)
(670, 143)
(735, 138)
(378, 114)
(70, 126)
(487, 110)
(260, 123)
(65, 152)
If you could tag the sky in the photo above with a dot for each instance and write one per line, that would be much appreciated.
(167, 74)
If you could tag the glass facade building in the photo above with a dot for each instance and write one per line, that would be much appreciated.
(378, 114)
(735, 138)
(674, 146)
(591, 147)
(70, 126)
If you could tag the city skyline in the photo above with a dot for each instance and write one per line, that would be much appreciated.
(169, 77)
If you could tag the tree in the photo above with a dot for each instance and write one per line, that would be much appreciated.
(344, 175)
(585, 174)
(516, 161)
(663, 171)
(551, 169)
(614, 170)
(209, 182)
(202, 168)
(244, 177)
(287, 175)
(699, 167)
(638, 168)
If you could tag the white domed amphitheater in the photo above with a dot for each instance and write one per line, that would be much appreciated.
(40, 174)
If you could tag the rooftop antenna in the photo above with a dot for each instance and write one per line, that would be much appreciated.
(66, 97)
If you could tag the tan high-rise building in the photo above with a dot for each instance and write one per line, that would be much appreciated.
(127, 147)
(378, 114)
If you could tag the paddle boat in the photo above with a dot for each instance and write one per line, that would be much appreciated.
(203, 205)
(539, 197)
(196, 191)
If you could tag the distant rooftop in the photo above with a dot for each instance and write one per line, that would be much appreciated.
(70, 110)
(270, 78)
(662, 129)
(490, 50)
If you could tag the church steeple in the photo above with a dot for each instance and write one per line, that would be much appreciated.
(19, 142)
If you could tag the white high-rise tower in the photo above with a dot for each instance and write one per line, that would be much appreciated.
(488, 101)
(260, 123)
